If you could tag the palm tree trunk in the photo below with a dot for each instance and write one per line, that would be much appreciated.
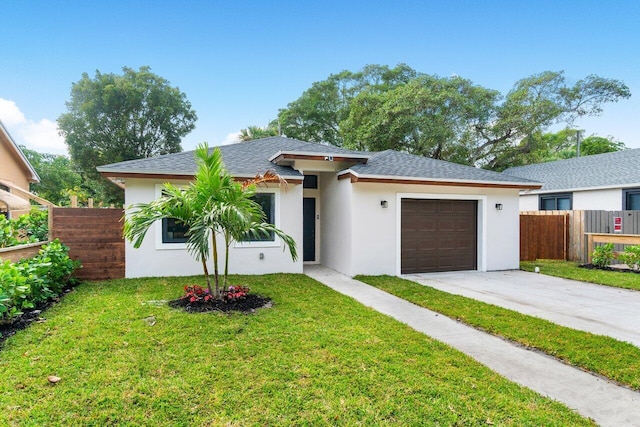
(227, 243)
(206, 274)
(216, 272)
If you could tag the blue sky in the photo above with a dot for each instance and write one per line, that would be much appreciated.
(240, 61)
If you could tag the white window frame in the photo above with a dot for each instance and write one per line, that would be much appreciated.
(276, 242)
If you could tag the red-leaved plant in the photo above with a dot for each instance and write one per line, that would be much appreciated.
(235, 292)
(196, 293)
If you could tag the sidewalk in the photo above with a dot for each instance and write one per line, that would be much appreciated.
(593, 397)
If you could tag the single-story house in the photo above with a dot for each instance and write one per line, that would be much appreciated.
(355, 212)
(609, 181)
(16, 173)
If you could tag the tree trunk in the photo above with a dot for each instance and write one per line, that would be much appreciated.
(206, 274)
(216, 273)
(227, 243)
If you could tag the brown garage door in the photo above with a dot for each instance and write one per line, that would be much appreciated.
(438, 235)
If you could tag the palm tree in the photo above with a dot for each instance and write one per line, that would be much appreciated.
(256, 132)
(212, 204)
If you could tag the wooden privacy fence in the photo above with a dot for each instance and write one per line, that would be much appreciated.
(578, 223)
(94, 236)
(543, 237)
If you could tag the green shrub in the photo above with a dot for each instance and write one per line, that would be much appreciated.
(35, 280)
(30, 228)
(631, 256)
(14, 292)
(603, 255)
(9, 235)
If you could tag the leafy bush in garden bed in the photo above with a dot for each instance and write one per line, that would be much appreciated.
(36, 280)
(30, 228)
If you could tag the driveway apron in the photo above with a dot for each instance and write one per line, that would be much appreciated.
(602, 310)
(606, 403)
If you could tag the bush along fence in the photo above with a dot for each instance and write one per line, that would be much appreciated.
(571, 243)
(602, 256)
(32, 281)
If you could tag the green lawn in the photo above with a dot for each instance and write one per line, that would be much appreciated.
(570, 270)
(603, 355)
(315, 358)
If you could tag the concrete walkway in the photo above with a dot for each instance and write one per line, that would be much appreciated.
(606, 403)
(598, 309)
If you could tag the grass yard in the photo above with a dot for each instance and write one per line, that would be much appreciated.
(603, 355)
(315, 358)
(570, 270)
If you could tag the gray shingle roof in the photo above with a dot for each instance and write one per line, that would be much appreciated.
(392, 163)
(617, 169)
(240, 159)
(249, 158)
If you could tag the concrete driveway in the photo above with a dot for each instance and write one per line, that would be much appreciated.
(598, 309)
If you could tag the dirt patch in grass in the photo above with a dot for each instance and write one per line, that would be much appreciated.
(248, 304)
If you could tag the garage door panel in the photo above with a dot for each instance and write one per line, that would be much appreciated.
(438, 235)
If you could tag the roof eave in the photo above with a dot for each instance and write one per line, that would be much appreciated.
(572, 189)
(355, 177)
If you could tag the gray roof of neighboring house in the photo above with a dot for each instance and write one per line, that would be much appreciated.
(617, 169)
(249, 158)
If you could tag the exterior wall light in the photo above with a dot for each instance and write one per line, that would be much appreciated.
(498, 206)
(384, 204)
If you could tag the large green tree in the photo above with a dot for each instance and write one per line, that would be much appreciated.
(546, 147)
(451, 118)
(57, 174)
(112, 118)
(317, 115)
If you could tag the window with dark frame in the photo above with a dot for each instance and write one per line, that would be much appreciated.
(268, 205)
(174, 231)
(310, 181)
(631, 199)
(556, 202)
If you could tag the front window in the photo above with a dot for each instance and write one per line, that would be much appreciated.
(174, 231)
(267, 203)
(631, 199)
(556, 202)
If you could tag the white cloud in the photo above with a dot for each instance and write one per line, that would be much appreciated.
(41, 136)
(231, 138)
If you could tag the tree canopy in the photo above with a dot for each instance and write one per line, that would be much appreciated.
(448, 118)
(112, 118)
(58, 176)
(546, 147)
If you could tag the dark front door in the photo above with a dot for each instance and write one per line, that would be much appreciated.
(438, 235)
(309, 229)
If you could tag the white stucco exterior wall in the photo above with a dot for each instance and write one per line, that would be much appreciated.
(155, 259)
(529, 202)
(336, 235)
(376, 230)
(608, 199)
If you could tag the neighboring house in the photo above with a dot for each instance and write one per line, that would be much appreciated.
(609, 181)
(16, 173)
(355, 212)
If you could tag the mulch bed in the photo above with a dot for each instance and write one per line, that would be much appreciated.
(608, 268)
(247, 304)
(29, 316)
